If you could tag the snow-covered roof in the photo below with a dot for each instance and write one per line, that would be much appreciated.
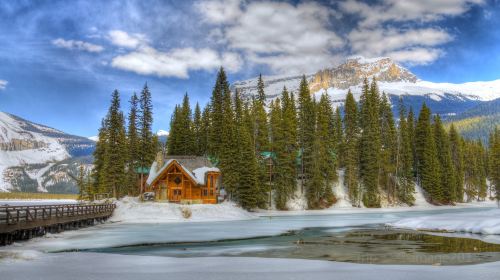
(197, 175)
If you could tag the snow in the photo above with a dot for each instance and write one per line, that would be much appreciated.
(130, 210)
(93, 138)
(31, 202)
(162, 132)
(198, 175)
(481, 223)
(10, 129)
(123, 267)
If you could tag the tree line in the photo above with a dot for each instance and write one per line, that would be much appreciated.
(125, 148)
(300, 144)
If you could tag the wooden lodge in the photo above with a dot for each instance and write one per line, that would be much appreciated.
(183, 179)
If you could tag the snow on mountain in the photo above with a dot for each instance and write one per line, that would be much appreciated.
(392, 78)
(93, 138)
(29, 150)
(162, 132)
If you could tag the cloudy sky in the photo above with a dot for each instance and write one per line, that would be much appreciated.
(60, 60)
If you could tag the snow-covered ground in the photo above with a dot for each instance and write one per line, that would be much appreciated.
(130, 210)
(27, 202)
(122, 267)
(485, 222)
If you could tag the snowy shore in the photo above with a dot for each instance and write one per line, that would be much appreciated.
(487, 222)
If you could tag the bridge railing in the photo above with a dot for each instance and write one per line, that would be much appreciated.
(11, 215)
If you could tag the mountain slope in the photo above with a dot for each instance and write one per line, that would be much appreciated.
(393, 79)
(29, 152)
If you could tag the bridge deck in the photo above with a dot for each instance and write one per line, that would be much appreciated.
(21, 222)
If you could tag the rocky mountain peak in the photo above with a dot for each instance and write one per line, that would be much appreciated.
(355, 69)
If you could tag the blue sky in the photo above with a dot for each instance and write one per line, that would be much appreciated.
(60, 60)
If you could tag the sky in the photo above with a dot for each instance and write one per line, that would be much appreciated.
(61, 60)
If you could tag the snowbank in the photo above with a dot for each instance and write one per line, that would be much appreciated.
(29, 202)
(123, 267)
(130, 210)
(485, 222)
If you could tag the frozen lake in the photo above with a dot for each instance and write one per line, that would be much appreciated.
(180, 250)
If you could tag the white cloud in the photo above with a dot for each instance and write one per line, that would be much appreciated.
(221, 11)
(3, 84)
(123, 39)
(401, 45)
(406, 10)
(416, 45)
(176, 62)
(77, 45)
(283, 36)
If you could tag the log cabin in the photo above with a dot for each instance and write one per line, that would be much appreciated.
(184, 179)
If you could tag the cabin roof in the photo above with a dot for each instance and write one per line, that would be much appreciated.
(195, 167)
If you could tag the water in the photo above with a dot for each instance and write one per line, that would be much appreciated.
(355, 237)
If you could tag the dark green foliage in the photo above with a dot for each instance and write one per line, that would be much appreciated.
(457, 159)
(351, 149)
(428, 171)
(370, 144)
(115, 159)
(447, 172)
(133, 147)
(198, 131)
(404, 161)
(182, 140)
(494, 162)
(388, 153)
(285, 146)
(147, 145)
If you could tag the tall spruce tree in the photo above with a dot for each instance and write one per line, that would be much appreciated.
(494, 162)
(404, 162)
(98, 172)
(147, 150)
(388, 151)
(351, 149)
(198, 131)
(221, 88)
(261, 135)
(133, 146)
(115, 158)
(457, 159)
(306, 131)
(426, 154)
(286, 152)
(446, 170)
(370, 144)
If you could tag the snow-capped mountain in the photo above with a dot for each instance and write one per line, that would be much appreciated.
(393, 79)
(31, 154)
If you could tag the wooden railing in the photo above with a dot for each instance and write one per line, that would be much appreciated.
(17, 215)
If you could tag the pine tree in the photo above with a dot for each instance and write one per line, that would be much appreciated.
(205, 130)
(338, 136)
(324, 161)
(115, 158)
(388, 149)
(261, 135)
(198, 131)
(81, 183)
(404, 158)
(228, 147)
(426, 155)
(132, 146)
(217, 125)
(147, 151)
(306, 130)
(494, 162)
(351, 149)
(370, 144)
(98, 172)
(286, 151)
(447, 173)
(457, 159)
(411, 134)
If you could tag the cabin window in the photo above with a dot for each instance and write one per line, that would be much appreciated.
(205, 192)
(212, 181)
(177, 180)
(211, 192)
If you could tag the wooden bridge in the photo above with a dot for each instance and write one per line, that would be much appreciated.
(25, 222)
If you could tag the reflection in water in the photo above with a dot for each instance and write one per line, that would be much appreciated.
(360, 245)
